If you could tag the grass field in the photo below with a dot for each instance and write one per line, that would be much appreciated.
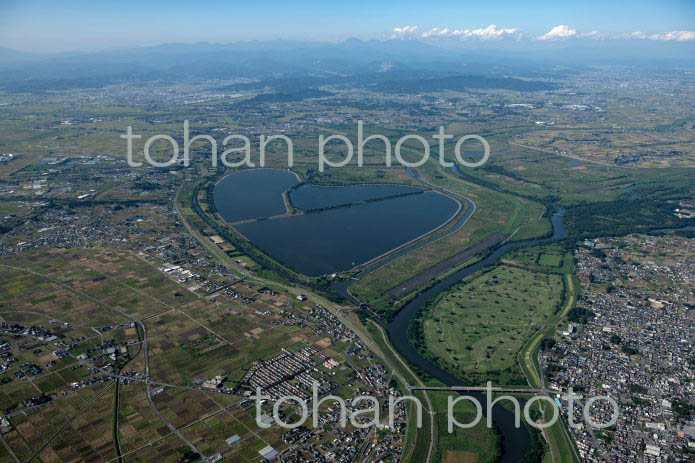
(522, 171)
(547, 258)
(541, 173)
(496, 213)
(477, 328)
(550, 260)
(561, 444)
(478, 444)
(562, 447)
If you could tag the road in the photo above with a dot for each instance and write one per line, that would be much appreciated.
(476, 389)
(9, 450)
(393, 255)
(336, 310)
(140, 325)
(535, 377)
(430, 408)
(57, 433)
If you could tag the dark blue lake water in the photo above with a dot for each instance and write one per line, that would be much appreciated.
(338, 239)
(310, 197)
(253, 193)
(330, 240)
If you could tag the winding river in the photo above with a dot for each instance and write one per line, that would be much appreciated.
(516, 442)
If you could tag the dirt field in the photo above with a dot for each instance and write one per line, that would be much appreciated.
(459, 456)
(432, 272)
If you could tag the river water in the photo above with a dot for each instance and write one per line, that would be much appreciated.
(516, 442)
(235, 201)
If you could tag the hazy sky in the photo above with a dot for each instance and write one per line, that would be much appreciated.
(97, 24)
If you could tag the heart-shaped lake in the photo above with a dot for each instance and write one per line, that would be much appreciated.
(345, 226)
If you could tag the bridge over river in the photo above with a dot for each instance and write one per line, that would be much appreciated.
(481, 389)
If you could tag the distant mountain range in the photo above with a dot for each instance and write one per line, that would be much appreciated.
(424, 65)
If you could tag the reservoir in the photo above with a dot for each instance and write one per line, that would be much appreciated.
(312, 197)
(336, 239)
(253, 193)
(348, 233)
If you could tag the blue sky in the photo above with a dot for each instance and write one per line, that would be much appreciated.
(99, 24)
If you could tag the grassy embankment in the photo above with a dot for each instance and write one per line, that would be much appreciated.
(491, 326)
(495, 213)
(479, 443)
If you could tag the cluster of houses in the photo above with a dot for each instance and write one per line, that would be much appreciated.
(635, 347)
(284, 374)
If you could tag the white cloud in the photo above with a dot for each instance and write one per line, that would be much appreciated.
(436, 32)
(405, 32)
(678, 36)
(593, 35)
(636, 35)
(559, 32)
(491, 32)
